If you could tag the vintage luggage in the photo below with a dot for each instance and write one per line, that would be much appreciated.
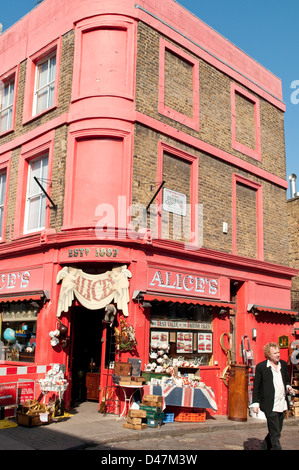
(122, 368)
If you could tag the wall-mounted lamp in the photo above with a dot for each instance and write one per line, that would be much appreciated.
(146, 304)
(222, 311)
(254, 333)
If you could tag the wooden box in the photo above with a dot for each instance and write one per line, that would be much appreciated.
(122, 368)
(135, 426)
(139, 380)
(136, 413)
(31, 420)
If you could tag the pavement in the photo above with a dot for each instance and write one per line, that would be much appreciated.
(83, 427)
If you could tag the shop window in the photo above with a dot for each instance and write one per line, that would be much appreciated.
(180, 336)
(44, 84)
(35, 211)
(18, 331)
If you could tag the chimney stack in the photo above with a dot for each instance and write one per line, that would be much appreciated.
(1, 28)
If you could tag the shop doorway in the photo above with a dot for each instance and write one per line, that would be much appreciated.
(87, 332)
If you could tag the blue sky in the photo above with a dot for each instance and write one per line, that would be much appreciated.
(265, 30)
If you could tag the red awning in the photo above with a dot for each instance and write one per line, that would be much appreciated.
(261, 308)
(28, 297)
(188, 300)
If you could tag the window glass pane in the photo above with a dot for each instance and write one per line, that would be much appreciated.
(45, 84)
(6, 103)
(2, 199)
(1, 220)
(42, 100)
(35, 169)
(52, 69)
(33, 216)
(51, 95)
(43, 74)
(2, 187)
(36, 200)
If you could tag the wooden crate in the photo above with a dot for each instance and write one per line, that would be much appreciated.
(31, 420)
(134, 420)
(136, 413)
(135, 426)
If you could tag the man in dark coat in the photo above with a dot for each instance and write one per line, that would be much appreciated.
(271, 383)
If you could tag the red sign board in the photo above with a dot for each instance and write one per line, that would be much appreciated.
(8, 394)
(21, 281)
(25, 391)
(15, 393)
(185, 283)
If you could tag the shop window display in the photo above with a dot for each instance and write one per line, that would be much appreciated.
(18, 332)
(180, 336)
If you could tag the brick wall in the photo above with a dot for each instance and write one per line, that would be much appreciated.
(215, 104)
(293, 223)
(215, 128)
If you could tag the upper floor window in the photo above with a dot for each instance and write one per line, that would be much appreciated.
(42, 81)
(44, 84)
(2, 199)
(6, 105)
(35, 211)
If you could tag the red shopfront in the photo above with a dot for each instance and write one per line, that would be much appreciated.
(188, 305)
(201, 312)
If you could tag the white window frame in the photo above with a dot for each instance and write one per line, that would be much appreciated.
(46, 87)
(36, 195)
(6, 108)
(3, 180)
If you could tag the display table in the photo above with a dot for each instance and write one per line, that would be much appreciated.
(128, 391)
(202, 397)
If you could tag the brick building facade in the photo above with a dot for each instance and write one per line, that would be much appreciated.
(293, 224)
(160, 147)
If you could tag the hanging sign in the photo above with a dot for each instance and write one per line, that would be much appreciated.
(93, 291)
(174, 202)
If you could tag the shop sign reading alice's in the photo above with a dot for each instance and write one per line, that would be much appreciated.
(182, 283)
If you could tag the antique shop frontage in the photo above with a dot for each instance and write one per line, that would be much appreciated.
(181, 315)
